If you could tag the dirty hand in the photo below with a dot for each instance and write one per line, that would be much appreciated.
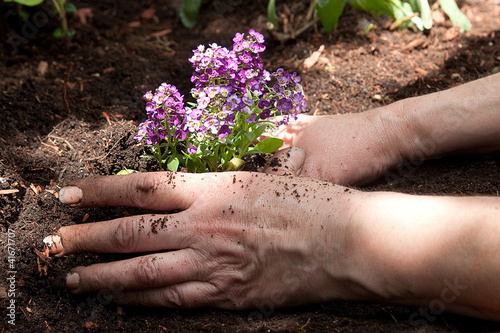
(239, 239)
(351, 149)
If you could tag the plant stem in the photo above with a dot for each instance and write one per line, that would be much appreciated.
(61, 10)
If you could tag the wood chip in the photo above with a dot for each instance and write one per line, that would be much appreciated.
(148, 14)
(9, 191)
(451, 33)
(421, 71)
(42, 255)
(414, 44)
(34, 189)
(41, 70)
(313, 58)
(83, 14)
(54, 193)
(159, 34)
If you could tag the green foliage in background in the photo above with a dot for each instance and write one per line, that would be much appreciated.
(30, 3)
(61, 7)
(406, 13)
(189, 12)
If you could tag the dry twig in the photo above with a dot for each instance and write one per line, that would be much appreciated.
(65, 87)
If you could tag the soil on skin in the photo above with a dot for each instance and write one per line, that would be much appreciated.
(118, 53)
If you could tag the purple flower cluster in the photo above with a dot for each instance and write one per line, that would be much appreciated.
(166, 115)
(230, 87)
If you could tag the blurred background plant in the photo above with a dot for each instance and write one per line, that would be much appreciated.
(60, 6)
(404, 13)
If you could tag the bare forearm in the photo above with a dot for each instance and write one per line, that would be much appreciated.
(464, 119)
(434, 252)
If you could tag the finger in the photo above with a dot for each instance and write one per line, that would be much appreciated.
(150, 271)
(150, 190)
(133, 234)
(191, 294)
(285, 162)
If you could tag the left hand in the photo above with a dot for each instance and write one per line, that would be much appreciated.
(240, 238)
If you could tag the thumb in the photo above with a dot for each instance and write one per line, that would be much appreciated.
(286, 162)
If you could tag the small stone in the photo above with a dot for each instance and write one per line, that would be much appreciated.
(41, 70)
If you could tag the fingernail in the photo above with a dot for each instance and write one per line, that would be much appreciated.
(70, 195)
(72, 281)
(54, 244)
(297, 156)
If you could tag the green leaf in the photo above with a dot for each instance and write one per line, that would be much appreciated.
(398, 10)
(404, 15)
(173, 164)
(271, 13)
(30, 3)
(376, 7)
(189, 12)
(70, 7)
(329, 12)
(260, 130)
(126, 172)
(249, 135)
(425, 13)
(269, 145)
(59, 33)
(456, 16)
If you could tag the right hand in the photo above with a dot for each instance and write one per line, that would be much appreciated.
(351, 149)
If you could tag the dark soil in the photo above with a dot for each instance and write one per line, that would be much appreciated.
(43, 144)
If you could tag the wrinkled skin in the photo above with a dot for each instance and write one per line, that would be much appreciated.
(252, 246)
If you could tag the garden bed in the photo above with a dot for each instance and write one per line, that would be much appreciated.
(120, 52)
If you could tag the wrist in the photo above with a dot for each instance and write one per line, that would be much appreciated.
(335, 248)
(393, 135)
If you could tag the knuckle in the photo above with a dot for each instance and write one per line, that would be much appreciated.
(125, 237)
(74, 242)
(148, 272)
(141, 189)
(173, 297)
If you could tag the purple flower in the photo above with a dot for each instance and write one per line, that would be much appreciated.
(224, 91)
(246, 109)
(192, 149)
(224, 131)
(247, 100)
(234, 99)
(148, 96)
(212, 125)
(278, 90)
(203, 101)
(205, 61)
(297, 98)
(264, 104)
(265, 114)
(238, 47)
(258, 36)
(150, 107)
(212, 91)
(238, 37)
(252, 118)
(245, 57)
(180, 134)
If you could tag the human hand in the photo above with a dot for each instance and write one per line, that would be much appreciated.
(351, 149)
(240, 238)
